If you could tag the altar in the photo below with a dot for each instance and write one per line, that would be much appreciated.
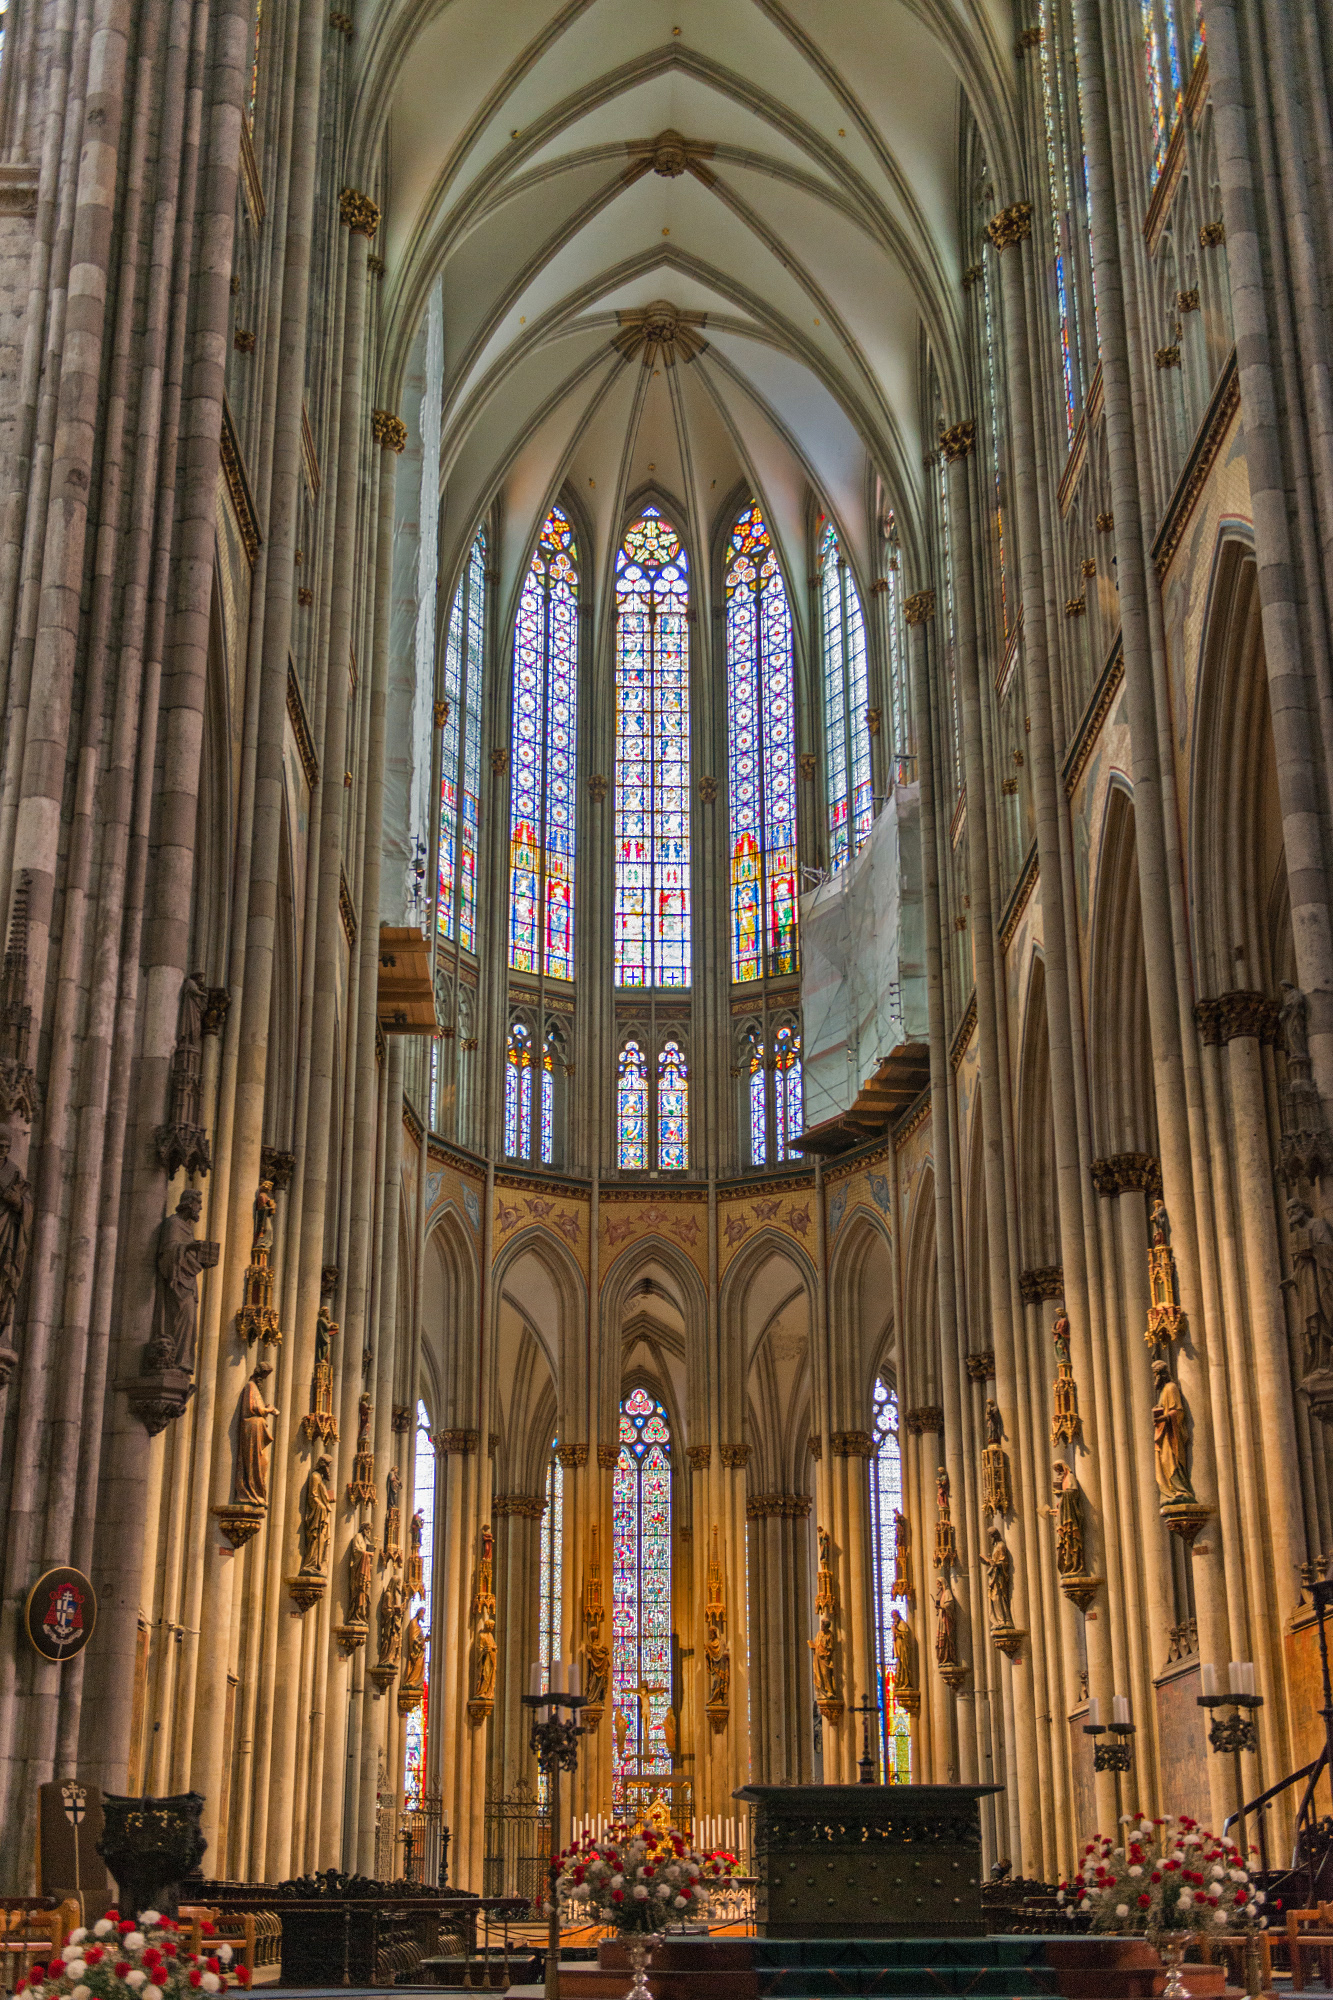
(867, 1860)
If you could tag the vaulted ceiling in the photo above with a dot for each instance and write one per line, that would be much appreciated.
(687, 247)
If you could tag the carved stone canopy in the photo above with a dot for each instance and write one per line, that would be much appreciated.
(660, 332)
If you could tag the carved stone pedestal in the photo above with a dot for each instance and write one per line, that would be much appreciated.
(158, 1399)
(351, 1635)
(1008, 1638)
(1185, 1518)
(384, 1677)
(306, 1590)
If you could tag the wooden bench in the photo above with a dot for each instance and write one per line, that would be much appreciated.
(32, 1930)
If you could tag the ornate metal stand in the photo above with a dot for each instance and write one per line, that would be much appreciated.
(556, 1745)
(1234, 1735)
(865, 1709)
(1116, 1757)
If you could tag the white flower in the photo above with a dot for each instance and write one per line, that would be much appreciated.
(641, 1894)
(664, 1892)
(1135, 1869)
(81, 1993)
(617, 1881)
(1186, 1898)
(137, 1977)
(1217, 1872)
(148, 1918)
(152, 1993)
(1083, 1902)
(210, 1982)
(103, 1927)
(1219, 1916)
(680, 1902)
(77, 1937)
(135, 1941)
(75, 1967)
(1122, 1909)
(224, 1952)
(1261, 1896)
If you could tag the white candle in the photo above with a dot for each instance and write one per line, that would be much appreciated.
(535, 1678)
(1235, 1677)
(557, 1677)
(1120, 1708)
(575, 1677)
(1208, 1678)
(1249, 1677)
(1094, 1713)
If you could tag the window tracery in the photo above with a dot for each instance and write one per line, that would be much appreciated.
(652, 1104)
(846, 700)
(423, 1503)
(530, 1094)
(773, 1095)
(761, 788)
(652, 789)
(541, 805)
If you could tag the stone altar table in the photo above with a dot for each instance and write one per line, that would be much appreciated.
(868, 1860)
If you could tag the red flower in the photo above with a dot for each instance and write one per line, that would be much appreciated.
(125, 1927)
(94, 1955)
(1144, 1901)
(170, 1947)
(1156, 1875)
(213, 1964)
(207, 1929)
(19, 1986)
(1240, 1897)
(123, 1968)
(243, 1974)
(37, 1973)
(617, 1895)
(196, 1976)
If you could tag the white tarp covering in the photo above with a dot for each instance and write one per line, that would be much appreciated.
(863, 974)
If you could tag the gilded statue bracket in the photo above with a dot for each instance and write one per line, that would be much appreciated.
(479, 1712)
(240, 1521)
(908, 1699)
(1186, 1520)
(306, 1589)
(158, 1399)
(955, 1674)
(1008, 1639)
(384, 1674)
(719, 1714)
(1080, 1589)
(353, 1634)
(409, 1700)
(831, 1710)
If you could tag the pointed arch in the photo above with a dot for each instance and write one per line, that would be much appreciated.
(846, 689)
(460, 750)
(761, 753)
(1039, 1226)
(543, 747)
(1124, 1113)
(861, 1312)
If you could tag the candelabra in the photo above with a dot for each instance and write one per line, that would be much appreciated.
(556, 1745)
(1116, 1757)
(1232, 1735)
(865, 1709)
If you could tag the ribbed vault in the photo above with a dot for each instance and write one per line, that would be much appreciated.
(773, 188)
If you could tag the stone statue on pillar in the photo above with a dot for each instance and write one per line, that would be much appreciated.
(182, 1143)
(317, 1519)
(179, 1259)
(1312, 1287)
(253, 1441)
(1171, 1444)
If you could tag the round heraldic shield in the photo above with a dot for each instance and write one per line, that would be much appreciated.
(60, 1614)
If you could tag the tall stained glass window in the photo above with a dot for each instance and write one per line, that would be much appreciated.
(673, 1108)
(528, 1088)
(1164, 77)
(886, 1499)
(846, 699)
(761, 788)
(632, 1107)
(641, 1613)
(774, 1100)
(460, 753)
(541, 798)
(423, 1501)
(553, 1522)
(652, 804)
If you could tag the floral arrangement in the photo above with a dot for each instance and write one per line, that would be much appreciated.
(1170, 1875)
(122, 1960)
(633, 1881)
(719, 1864)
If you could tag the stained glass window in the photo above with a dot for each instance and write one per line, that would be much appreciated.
(1164, 78)
(846, 698)
(518, 1091)
(632, 1108)
(886, 1499)
(995, 438)
(641, 1613)
(673, 1108)
(423, 1502)
(1053, 116)
(541, 800)
(652, 803)
(787, 1090)
(757, 1095)
(254, 62)
(761, 706)
(549, 1634)
(460, 753)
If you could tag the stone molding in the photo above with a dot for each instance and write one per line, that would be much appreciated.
(1230, 1015)
(981, 1366)
(238, 487)
(1043, 1281)
(607, 1454)
(963, 1035)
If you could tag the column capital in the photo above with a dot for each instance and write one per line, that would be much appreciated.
(359, 212)
(529, 1505)
(388, 430)
(919, 607)
(1041, 1281)
(1230, 1015)
(571, 1455)
(735, 1454)
(1011, 225)
(1127, 1173)
(781, 1506)
(852, 1444)
(958, 440)
(927, 1420)
(461, 1443)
